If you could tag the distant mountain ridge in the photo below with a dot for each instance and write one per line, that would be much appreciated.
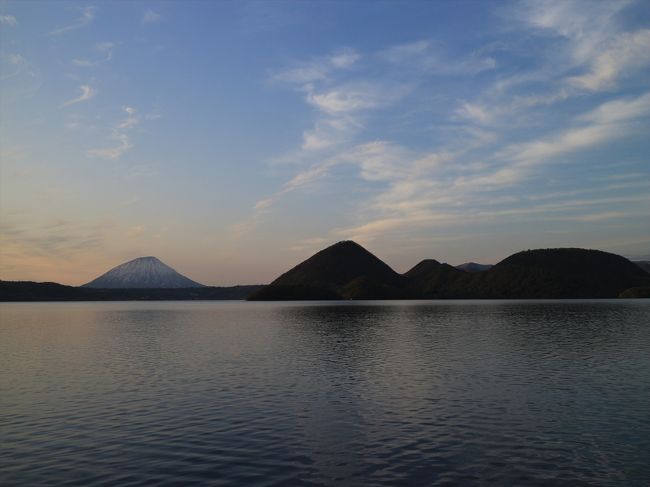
(51, 291)
(474, 267)
(142, 273)
(348, 271)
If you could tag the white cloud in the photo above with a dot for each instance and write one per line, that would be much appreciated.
(344, 99)
(606, 122)
(119, 133)
(8, 20)
(87, 15)
(318, 69)
(473, 173)
(474, 113)
(150, 17)
(106, 48)
(628, 53)
(426, 56)
(325, 134)
(87, 92)
(378, 160)
(594, 40)
(113, 152)
(619, 110)
(436, 190)
(344, 59)
(130, 121)
(588, 25)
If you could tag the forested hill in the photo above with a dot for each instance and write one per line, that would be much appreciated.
(348, 271)
(50, 291)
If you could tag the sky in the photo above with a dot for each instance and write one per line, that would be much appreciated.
(234, 139)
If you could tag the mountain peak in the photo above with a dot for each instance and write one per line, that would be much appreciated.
(142, 272)
(148, 258)
(473, 267)
(326, 273)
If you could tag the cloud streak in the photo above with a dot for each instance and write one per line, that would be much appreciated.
(87, 92)
(8, 19)
(628, 53)
(150, 17)
(105, 48)
(87, 16)
(119, 133)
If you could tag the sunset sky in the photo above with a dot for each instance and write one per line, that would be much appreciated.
(234, 139)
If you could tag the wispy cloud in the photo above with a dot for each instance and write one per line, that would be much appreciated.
(318, 68)
(604, 123)
(135, 231)
(424, 55)
(87, 16)
(150, 17)
(339, 106)
(103, 48)
(87, 92)
(8, 19)
(433, 189)
(53, 250)
(17, 62)
(120, 134)
(497, 139)
(627, 54)
(574, 54)
(345, 99)
(594, 39)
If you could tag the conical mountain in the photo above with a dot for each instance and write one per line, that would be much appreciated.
(143, 272)
(343, 270)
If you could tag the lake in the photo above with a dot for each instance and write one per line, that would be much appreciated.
(336, 393)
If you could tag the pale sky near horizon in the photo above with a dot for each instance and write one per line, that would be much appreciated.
(234, 139)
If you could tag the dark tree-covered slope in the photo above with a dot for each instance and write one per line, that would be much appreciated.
(50, 291)
(347, 271)
(643, 264)
(344, 270)
(560, 273)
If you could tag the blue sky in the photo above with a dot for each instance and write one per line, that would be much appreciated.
(234, 139)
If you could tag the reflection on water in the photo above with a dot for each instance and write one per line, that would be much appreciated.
(387, 393)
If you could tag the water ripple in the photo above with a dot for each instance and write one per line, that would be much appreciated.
(271, 394)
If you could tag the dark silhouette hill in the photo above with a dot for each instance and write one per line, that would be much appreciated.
(643, 264)
(51, 291)
(431, 279)
(348, 271)
(344, 270)
(142, 273)
(474, 267)
(560, 273)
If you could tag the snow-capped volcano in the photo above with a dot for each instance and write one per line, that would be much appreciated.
(143, 272)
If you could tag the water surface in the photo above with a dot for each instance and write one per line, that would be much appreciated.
(381, 393)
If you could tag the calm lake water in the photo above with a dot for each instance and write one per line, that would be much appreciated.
(382, 393)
